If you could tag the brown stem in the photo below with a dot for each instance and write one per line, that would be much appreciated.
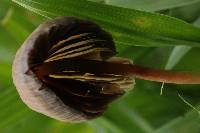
(101, 67)
(165, 76)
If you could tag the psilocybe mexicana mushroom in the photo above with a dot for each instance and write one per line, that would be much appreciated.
(67, 70)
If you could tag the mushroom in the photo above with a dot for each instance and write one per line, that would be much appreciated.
(67, 70)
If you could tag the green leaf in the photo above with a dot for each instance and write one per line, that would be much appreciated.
(5, 4)
(109, 127)
(178, 52)
(129, 116)
(188, 13)
(184, 124)
(130, 27)
(176, 55)
(148, 5)
(197, 22)
(102, 1)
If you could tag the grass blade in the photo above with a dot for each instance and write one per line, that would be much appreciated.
(148, 5)
(129, 27)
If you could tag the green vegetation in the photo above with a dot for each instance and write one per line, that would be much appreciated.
(167, 38)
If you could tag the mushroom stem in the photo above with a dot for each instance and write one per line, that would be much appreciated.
(165, 75)
(103, 67)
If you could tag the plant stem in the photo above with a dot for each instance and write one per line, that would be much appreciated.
(165, 75)
(102, 67)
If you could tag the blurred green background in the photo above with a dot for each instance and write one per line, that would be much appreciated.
(143, 109)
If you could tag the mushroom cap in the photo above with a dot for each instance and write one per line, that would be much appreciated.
(33, 92)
